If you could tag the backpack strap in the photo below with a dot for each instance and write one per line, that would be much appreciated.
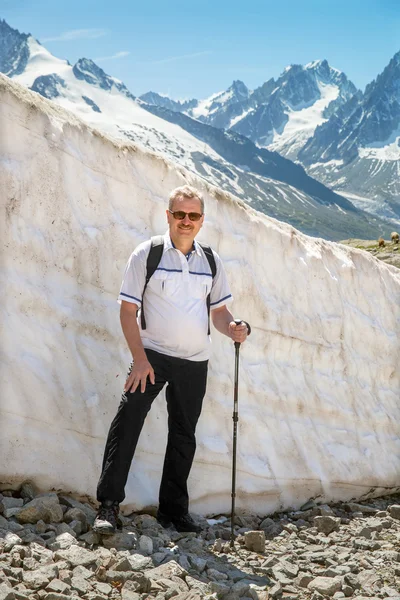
(211, 261)
(153, 260)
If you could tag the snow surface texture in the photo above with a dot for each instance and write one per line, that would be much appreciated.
(319, 381)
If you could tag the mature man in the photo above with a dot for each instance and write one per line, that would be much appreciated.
(170, 344)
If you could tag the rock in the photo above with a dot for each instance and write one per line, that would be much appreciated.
(91, 538)
(145, 544)
(369, 581)
(76, 556)
(394, 511)
(7, 503)
(255, 541)
(56, 585)
(63, 541)
(45, 508)
(325, 585)
(303, 579)
(191, 595)
(135, 562)
(28, 491)
(76, 514)
(40, 578)
(196, 585)
(121, 541)
(166, 571)
(11, 540)
(327, 524)
(84, 507)
(6, 592)
(362, 508)
(127, 593)
(275, 591)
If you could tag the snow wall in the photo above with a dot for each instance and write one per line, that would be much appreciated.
(319, 391)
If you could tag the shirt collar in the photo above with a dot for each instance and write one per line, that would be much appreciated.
(168, 244)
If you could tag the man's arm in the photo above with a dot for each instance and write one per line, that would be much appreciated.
(141, 366)
(223, 321)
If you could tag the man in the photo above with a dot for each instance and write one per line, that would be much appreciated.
(172, 349)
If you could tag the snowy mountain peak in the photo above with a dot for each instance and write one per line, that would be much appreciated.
(87, 70)
(239, 89)
(14, 50)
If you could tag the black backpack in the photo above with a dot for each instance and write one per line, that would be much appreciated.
(153, 260)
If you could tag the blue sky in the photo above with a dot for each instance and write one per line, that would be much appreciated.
(192, 49)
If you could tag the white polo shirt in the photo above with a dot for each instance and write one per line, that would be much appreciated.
(175, 299)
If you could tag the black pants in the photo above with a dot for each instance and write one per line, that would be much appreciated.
(185, 392)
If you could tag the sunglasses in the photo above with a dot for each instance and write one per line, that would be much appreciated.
(180, 215)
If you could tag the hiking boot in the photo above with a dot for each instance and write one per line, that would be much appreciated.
(185, 523)
(164, 520)
(106, 521)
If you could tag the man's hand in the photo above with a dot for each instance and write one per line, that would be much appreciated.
(140, 371)
(238, 333)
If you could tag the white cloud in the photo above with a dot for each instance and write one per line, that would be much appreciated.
(121, 54)
(77, 34)
(181, 57)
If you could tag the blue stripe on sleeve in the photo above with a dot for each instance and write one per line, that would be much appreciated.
(225, 298)
(128, 296)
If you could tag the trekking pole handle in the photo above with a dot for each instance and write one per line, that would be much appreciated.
(239, 322)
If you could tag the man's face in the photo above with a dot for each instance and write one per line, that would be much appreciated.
(185, 229)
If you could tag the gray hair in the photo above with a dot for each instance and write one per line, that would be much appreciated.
(185, 191)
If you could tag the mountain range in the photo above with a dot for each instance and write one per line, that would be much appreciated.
(313, 114)
(221, 139)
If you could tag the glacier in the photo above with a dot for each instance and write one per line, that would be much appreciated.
(319, 380)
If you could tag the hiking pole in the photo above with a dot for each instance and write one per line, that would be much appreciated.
(235, 418)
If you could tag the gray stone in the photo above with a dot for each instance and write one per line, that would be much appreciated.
(362, 508)
(275, 591)
(216, 575)
(303, 579)
(166, 571)
(369, 581)
(240, 588)
(145, 544)
(394, 511)
(40, 578)
(56, 585)
(7, 503)
(81, 585)
(325, 585)
(219, 588)
(327, 524)
(91, 538)
(103, 588)
(11, 540)
(255, 541)
(89, 511)
(45, 508)
(120, 541)
(198, 586)
(82, 572)
(62, 542)
(135, 562)
(76, 514)
(28, 491)
(6, 592)
(198, 563)
(76, 555)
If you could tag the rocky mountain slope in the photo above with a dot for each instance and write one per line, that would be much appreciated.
(342, 550)
(274, 186)
(345, 138)
(357, 151)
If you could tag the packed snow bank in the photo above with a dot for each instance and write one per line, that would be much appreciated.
(319, 380)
